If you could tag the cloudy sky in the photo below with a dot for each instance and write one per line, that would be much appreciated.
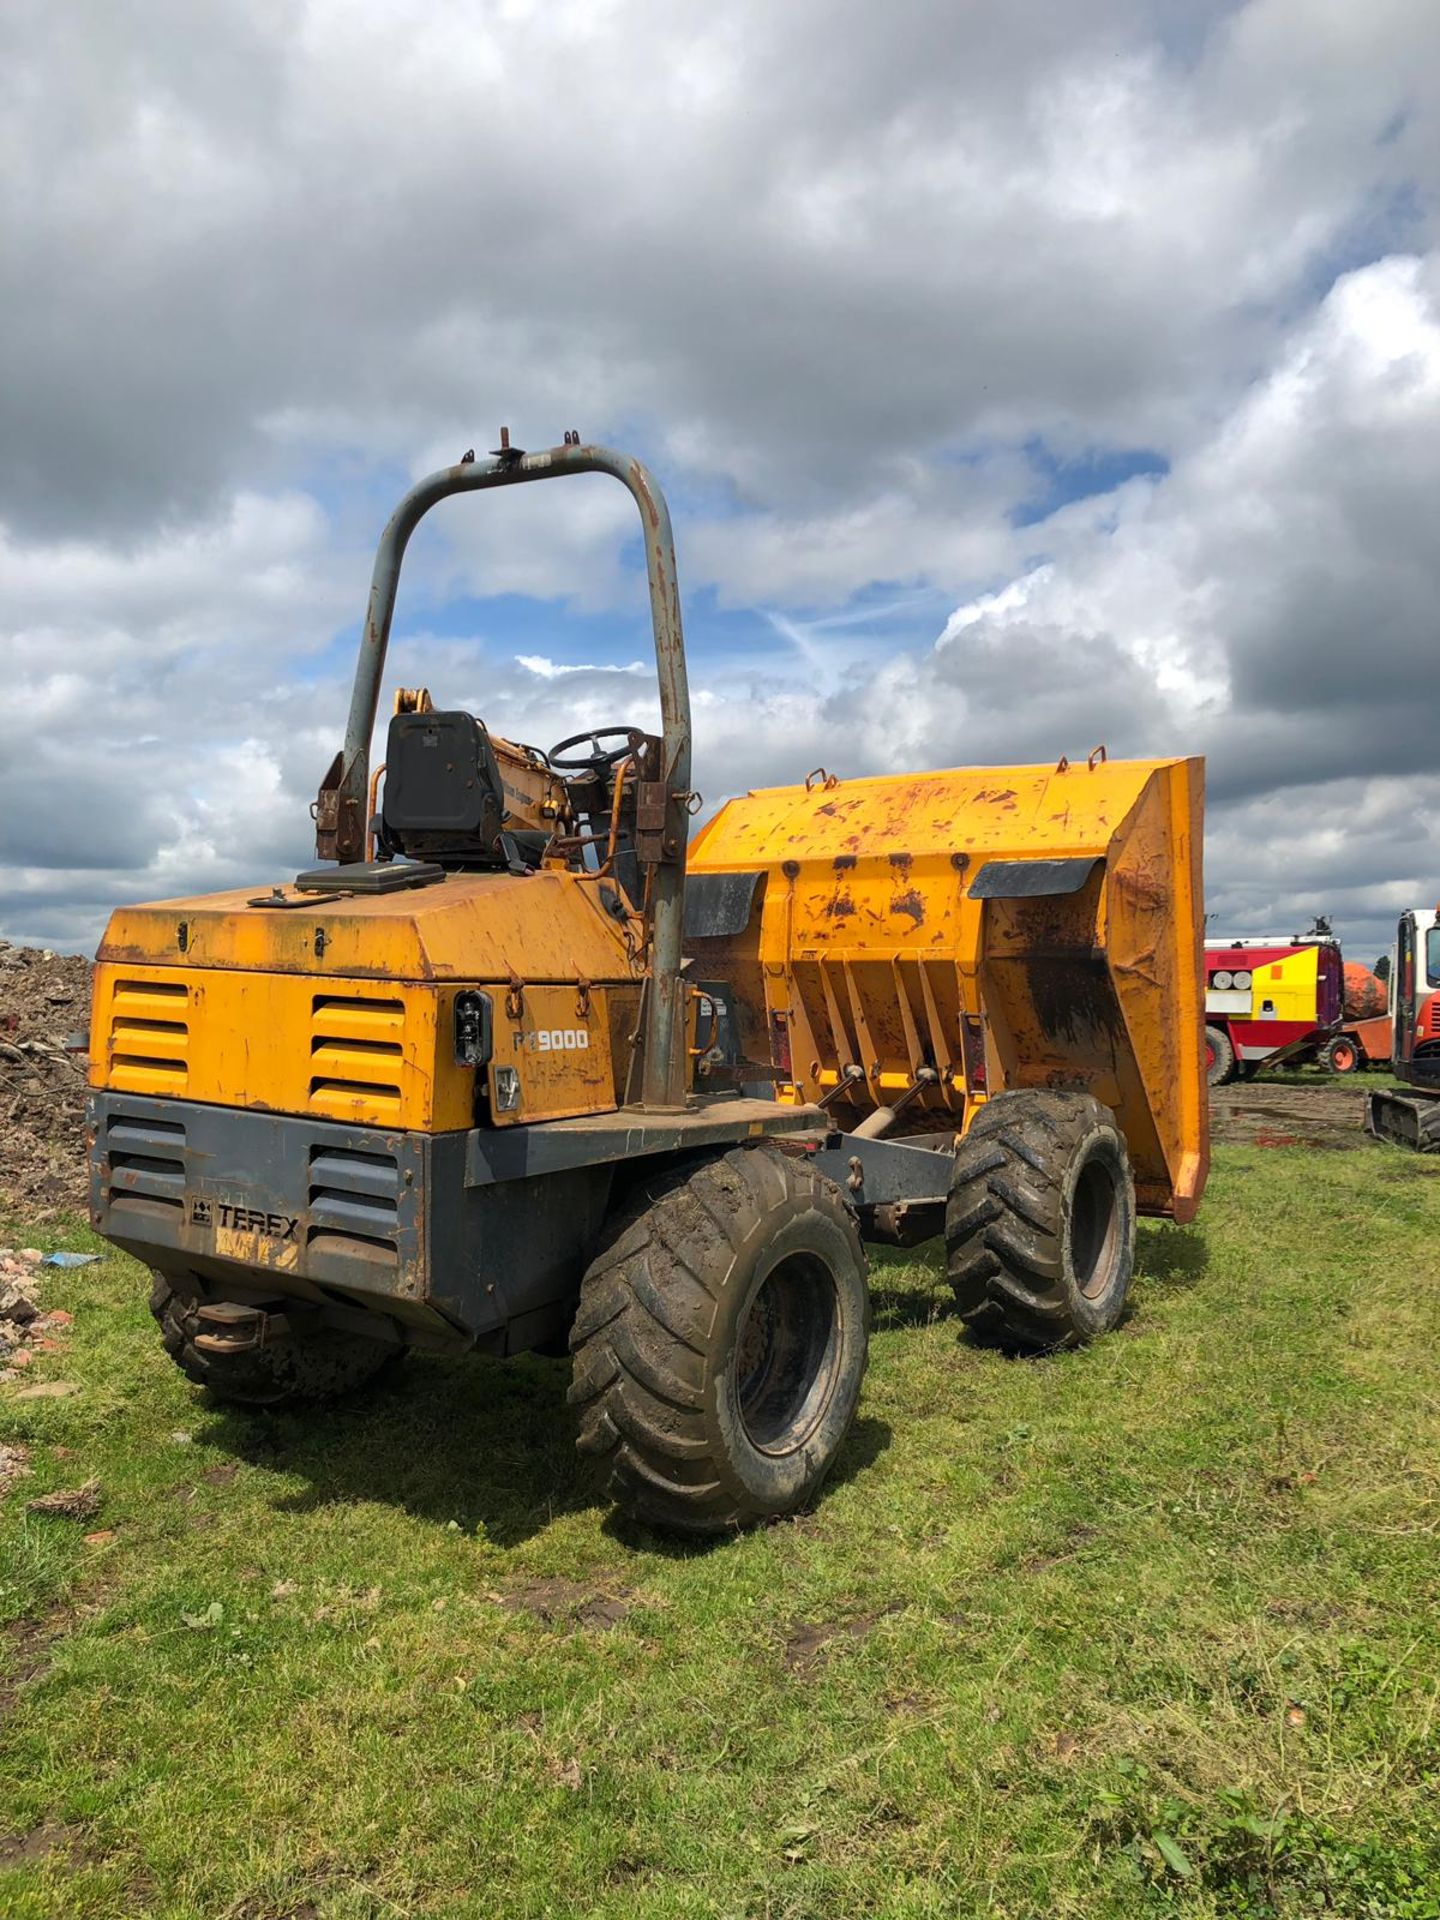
(1022, 377)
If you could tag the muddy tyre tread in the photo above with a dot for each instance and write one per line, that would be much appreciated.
(1225, 1067)
(642, 1340)
(1005, 1227)
(292, 1373)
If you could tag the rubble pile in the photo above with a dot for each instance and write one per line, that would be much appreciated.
(44, 1005)
(26, 1329)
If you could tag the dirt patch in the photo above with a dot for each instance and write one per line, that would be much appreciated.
(566, 1603)
(1331, 1114)
(44, 1000)
(1076, 1541)
(810, 1643)
(42, 1843)
(26, 1647)
(14, 1464)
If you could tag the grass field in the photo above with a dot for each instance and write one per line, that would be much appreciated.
(1148, 1629)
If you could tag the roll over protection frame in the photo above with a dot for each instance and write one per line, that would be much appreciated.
(340, 809)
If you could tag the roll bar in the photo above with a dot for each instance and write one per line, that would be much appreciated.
(341, 808)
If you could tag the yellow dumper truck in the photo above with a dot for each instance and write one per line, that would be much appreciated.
(494, 1075)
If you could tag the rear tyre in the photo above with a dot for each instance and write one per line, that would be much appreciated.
(721, 1341)
(1341, 1054)
(316, 1365)
(1219, 1057)
(1040, 1223)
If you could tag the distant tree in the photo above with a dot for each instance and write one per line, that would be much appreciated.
(1381, 968)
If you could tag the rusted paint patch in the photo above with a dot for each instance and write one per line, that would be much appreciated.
(912, 903)
(1148, 889)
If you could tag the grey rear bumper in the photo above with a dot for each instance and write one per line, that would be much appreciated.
(294, 1199)
(248, 1202)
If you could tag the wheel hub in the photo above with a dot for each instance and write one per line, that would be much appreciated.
(1094, 1228)
(787, 1354)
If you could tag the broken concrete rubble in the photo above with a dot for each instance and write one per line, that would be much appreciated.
(44, 1007)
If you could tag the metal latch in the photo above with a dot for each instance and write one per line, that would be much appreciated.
(652, 801)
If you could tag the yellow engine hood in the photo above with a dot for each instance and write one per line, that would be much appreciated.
(344, 1007)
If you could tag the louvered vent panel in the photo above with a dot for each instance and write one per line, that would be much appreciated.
(354, 1204)
(356, 1056)
(144, 1165)
(149, 1036)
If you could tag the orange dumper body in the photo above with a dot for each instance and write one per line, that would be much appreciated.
(920, 942)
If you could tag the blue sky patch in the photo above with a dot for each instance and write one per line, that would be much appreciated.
(1058, 481)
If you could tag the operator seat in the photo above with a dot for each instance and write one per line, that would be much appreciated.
(444, 800)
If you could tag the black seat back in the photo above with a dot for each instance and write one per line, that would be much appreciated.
(443, 795)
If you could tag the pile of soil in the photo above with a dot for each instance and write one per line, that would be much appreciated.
(44, 1007)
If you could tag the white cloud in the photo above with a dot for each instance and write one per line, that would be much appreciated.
(544, 669)
(851, 278)
(1269, 602)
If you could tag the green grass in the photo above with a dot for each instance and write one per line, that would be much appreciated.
(1313, 1076)
(1152, 1629)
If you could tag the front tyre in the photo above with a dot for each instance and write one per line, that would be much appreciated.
(1220, 1065)
(721, 1341)
(1341, 1054)
(1040, 1222)
(320, 1364)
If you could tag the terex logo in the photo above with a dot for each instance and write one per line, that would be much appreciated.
(223, 1213)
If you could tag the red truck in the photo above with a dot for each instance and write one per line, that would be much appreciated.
(1269, 999)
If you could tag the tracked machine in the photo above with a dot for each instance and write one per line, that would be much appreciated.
(1409, 1115)
(495, 1076)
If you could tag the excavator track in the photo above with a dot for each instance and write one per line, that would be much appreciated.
(1405, 1119)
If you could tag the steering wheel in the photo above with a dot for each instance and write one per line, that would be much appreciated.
(603, 758)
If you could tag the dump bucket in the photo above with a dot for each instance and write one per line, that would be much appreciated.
(920, 942)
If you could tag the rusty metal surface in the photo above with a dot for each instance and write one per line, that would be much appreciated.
(898, 984)
(470, 927)
(601, 1138)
